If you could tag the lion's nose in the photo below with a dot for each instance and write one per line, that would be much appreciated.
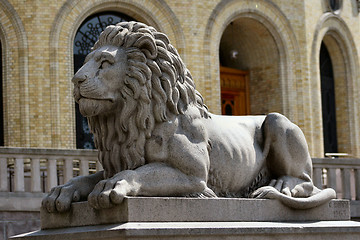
(79, 77)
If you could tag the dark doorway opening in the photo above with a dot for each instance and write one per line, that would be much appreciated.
(328, 101)
(1, 102)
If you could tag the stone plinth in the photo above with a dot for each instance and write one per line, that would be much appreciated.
(180, 218)
(142, 209)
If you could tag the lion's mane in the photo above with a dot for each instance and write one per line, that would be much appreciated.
(157, 84)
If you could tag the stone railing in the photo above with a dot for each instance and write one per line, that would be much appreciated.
(38, 170)
(341, 174)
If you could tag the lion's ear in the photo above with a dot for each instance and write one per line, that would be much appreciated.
(147, 45)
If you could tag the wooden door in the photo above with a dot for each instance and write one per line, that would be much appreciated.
(234, 91)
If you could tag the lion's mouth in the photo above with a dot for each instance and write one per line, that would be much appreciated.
(95, 99)
(78, 96)
(93, 107)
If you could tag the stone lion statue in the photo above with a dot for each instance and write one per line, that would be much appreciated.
(156, 137)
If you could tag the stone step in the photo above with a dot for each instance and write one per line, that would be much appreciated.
(329, 230)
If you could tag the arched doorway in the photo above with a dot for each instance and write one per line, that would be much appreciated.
(1, 102)
(248, 48)
(85, 37)
(328, 101)
(333, 33)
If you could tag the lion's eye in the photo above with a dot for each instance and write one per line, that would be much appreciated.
(105, 64)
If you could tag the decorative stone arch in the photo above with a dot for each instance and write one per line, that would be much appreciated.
(272, 19)
(67, 21)
(15, 77)
(335, 34)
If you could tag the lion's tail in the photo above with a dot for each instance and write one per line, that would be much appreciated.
(320, 197)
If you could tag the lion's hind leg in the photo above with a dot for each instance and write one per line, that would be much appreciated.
(288, 161)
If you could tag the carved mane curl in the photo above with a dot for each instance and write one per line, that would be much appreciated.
(157, 85)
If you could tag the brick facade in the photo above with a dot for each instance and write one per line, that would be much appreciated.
(279, 43)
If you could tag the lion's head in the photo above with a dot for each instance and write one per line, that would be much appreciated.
(132, 79)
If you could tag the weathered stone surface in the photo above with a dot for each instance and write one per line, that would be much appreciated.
(330, 230)
(19, 213)
(142, 209)
(156, 137)
(22, 226)
(17, 222)
(20, 201)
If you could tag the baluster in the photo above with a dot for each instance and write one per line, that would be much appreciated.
(3, 175)
(84, 167)
(99, 167)
(35, 175)
(51, 174)
(331, 176)
(317, 175)
(68, 171)
(357, 183)
(345, 172)
(19, 175)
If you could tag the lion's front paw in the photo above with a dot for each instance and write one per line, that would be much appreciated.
(108, 193)
(60, 198)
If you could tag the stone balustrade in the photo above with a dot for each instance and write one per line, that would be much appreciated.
(38, 170)
(26, 174)
(341, 174)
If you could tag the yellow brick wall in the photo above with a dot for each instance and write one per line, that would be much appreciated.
(37, 40)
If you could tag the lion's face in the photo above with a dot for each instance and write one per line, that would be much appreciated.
(98, 82)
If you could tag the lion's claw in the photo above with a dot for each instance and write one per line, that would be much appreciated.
(107, 193)
(49, 201)
(263, 192)
(289, 186)
(60, 198)
(116, 197)
(104, 199)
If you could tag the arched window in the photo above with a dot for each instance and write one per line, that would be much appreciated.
(328, 101)
(1, 102)
(85, 38)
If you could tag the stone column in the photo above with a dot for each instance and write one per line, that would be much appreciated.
(68, 169)
(357, 183)
(3, 175)
(35, 175)
(84, 167)
(51, 174)
(345, 172)
(317, 175)
(19, 175)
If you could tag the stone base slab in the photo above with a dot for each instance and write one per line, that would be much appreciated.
(330, 230)
(144, 209)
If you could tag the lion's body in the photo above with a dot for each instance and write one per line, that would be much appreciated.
(156, 137)
(237, 149)
(233, 148)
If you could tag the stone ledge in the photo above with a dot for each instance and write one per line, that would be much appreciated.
(154, 209)
(330, 230)
(21, 201)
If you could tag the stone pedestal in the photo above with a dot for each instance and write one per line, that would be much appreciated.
(180, 218)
